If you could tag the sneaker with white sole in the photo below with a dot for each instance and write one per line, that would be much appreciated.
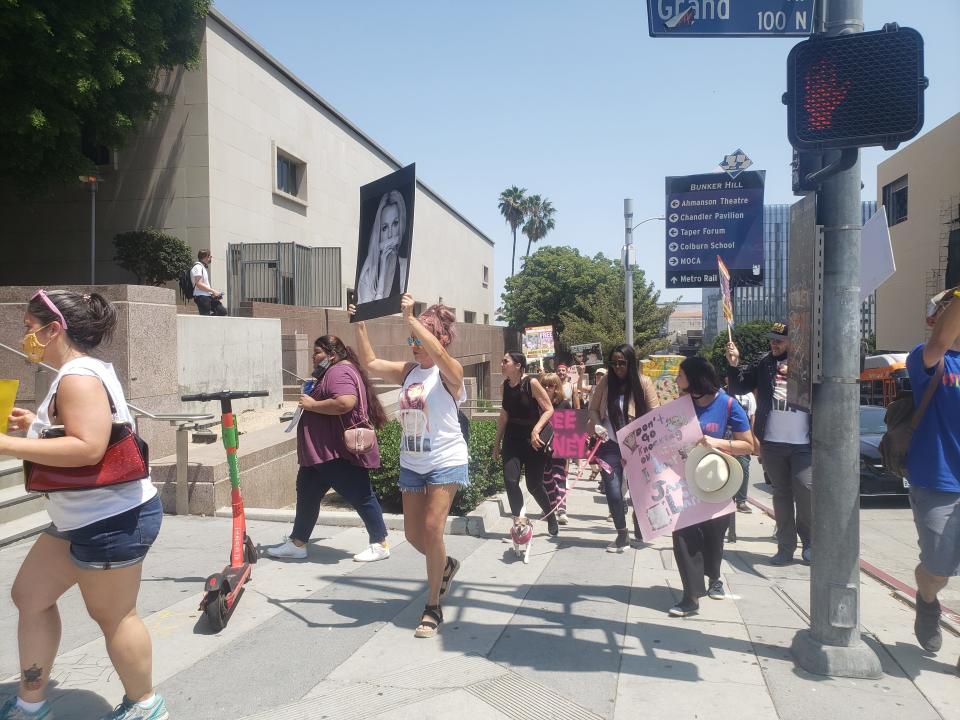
(11, 711)
(376, 551)
(129, 710)
(562, 518)
(716, 591)
(287, 550)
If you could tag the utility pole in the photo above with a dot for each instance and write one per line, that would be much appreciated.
(628, 270)
(833, 645)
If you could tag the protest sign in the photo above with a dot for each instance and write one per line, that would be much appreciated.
(654, 447)
(662, 369)
(589, 354)
(571, 428)
(727, 297)
(538, 342)
(8, 397)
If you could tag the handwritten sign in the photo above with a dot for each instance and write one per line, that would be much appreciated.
(662, 369)
(654, 447)
(571, 428)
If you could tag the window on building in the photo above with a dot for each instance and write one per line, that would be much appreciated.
(486, 318)
(469, 316)
(290, 176)
(895, 200)
(486, 276)
(418, 308)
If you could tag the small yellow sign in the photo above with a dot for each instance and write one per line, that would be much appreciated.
(8, 396)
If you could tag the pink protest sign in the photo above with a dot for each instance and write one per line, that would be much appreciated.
(654, 447)
(571, 428)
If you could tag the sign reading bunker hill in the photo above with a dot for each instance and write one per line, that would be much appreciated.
(730, 18)
(714, 215)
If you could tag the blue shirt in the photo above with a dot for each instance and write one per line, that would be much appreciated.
(933, 461)
(715, 417)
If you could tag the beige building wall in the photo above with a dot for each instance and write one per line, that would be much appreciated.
(255, 108)
(932, 166)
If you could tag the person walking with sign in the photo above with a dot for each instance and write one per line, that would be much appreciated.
(784, 435)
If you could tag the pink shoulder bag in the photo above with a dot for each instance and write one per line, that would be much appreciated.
(360, 438)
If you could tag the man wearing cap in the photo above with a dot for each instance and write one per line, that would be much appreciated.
(784, 435)
(933, 463)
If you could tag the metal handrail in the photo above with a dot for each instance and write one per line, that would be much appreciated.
(303, 380)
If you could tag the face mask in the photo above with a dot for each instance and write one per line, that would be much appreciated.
(32, 347)
(321, 368)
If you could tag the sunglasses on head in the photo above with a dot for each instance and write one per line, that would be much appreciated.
(414, 341)
(49, 303)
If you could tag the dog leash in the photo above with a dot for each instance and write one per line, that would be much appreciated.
(562, 492)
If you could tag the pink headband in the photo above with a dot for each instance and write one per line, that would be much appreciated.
(49, 303)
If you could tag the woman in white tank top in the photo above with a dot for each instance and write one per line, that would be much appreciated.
(99, 537)
(433, 452)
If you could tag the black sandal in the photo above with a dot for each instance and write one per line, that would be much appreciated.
(428, 627)
(452, 566)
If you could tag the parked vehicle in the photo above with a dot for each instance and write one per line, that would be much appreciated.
(875, 479)
(883, 378)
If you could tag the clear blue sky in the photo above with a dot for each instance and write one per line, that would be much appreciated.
(571, 99)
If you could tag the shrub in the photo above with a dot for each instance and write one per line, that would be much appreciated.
(486, 474)
(153, 256)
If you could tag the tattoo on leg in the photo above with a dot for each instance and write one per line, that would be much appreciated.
(31, 677)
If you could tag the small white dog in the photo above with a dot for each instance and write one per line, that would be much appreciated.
(522, 535)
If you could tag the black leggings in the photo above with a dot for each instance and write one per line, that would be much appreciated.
(520, 457)
(698, 551)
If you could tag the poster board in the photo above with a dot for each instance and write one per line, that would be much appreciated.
(8, 398)
(385, 243)
(571, 429)
(654, 448)
(662, 370)
(592, 354)
(538, 342)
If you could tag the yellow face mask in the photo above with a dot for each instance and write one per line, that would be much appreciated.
(32, 347)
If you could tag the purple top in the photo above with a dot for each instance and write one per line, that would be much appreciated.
(320, 437)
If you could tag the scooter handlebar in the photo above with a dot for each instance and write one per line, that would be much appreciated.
(224, 395)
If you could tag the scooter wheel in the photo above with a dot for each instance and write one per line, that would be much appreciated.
(249, 550)
(216, 612)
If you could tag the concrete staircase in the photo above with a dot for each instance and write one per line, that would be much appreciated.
(22, 514)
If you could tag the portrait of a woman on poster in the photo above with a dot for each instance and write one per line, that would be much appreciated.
(385, 264)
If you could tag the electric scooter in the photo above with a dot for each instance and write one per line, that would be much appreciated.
(223, 589)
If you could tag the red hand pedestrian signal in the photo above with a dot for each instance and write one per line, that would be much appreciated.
(823, 94)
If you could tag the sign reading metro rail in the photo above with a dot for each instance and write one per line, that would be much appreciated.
(709, 216)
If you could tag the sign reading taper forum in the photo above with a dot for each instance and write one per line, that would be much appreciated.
(730, 18)
(710, 216)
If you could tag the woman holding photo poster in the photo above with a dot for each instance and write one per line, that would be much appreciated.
(620, 397)
(433, 451)
(698, 549)
(385, 264)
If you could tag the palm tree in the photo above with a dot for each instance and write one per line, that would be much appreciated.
(539, 219)
(511, 207)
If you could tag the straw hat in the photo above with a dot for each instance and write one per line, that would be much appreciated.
(712, 476)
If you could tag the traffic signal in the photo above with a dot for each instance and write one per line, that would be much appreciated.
(856, 90)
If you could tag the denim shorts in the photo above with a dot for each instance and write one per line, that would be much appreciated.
(937, 517)
(114, 542)
(411, 481)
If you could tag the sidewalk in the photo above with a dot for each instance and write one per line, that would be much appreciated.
(577, 633)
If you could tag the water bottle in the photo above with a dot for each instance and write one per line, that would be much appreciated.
(308, 387)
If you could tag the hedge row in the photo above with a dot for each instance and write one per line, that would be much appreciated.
(486, 474)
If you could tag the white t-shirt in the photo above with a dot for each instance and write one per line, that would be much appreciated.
(430, 437)
(76, 509)
(785, 425)
(199, 272)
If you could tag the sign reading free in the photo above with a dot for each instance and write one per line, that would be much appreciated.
(730, 18)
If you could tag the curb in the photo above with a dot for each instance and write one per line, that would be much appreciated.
(476, 523)
(949, 619)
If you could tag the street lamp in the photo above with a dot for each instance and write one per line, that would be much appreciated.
(628, 263)
(92, 181)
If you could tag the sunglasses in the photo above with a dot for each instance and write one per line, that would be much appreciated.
(619, 363)
(49, 303)
(414, 341)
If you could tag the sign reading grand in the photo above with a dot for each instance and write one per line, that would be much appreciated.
(714, 215)
(730, 18)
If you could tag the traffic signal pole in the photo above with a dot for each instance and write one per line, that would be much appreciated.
(833, 645)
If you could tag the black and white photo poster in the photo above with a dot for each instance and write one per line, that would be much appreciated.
(386, 237)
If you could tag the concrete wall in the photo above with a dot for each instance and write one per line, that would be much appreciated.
(228, 353)
(932, 166)
(255, 106)
(142, 351)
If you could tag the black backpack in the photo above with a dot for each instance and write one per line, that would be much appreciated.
(186, 283)
(902, 419)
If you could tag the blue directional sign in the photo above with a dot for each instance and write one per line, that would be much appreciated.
(730, 18)
(714, 215)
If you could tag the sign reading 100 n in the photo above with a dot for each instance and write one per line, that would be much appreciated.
(730, 18)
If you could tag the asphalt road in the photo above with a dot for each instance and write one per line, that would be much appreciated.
(888, 537)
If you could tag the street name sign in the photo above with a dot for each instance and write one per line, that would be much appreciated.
(730, 18)
(710, 216)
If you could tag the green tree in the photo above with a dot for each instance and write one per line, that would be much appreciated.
(538, 213)
(751, 339)
(511, 206)
(77, 74)
(153, 256)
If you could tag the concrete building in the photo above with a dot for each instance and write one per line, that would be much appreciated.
(685, 328)
(768, 300)
(920, 188)
(252, 163)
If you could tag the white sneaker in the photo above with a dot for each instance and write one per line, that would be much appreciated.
(376, 551)
(287, 550)
(562, 518)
